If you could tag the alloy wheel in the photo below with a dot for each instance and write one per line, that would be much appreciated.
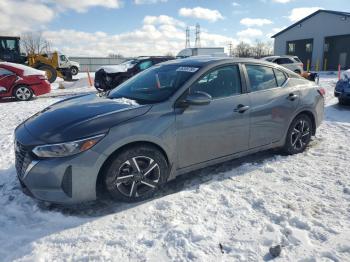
(137, 176)
(23, 93)
(300, 134)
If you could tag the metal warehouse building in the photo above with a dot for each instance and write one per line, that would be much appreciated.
(322, 38)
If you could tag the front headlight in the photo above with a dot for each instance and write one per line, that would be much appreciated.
(68, 148)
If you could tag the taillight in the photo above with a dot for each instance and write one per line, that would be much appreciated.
(43, 77)
(321, 91)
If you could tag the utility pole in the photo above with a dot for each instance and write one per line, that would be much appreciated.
(230, 49)
(188, 43)
(198, 36)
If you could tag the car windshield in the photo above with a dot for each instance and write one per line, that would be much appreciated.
(155, 84)
(130, 63)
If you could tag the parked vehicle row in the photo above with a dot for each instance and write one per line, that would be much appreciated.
(175, 117)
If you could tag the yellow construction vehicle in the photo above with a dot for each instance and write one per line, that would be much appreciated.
(49, 63)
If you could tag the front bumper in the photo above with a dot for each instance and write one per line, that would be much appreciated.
(65, 180)
(342, 95)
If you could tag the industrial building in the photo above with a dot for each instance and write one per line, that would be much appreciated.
(321, 40)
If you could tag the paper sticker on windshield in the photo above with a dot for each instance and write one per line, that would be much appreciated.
(187, 69)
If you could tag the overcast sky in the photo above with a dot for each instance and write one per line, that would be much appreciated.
(152, 27)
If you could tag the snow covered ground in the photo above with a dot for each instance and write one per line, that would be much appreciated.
(230, 212)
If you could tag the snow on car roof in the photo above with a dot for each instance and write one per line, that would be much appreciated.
(27, 71)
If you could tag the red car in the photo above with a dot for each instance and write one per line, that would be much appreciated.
(22, 82)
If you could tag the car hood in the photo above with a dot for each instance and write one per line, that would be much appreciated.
(112, 69)
(80, 117)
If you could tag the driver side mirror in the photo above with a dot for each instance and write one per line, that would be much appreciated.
(197, 99)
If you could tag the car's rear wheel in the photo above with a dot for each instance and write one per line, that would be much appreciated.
(299, 135)
(23, 93)
(136, 173)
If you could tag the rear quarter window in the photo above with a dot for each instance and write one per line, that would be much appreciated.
(281, 77)
(297, 59)
(4, 72)
(260, 77)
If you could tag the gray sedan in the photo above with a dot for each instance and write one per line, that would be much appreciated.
(173, 118)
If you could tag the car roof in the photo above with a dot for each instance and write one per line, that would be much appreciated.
(280, 56)
(202, 61)
(23, 70)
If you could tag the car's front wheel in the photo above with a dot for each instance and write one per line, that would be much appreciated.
(342, 101)
(74, 70)
(299, 135)
(136, 173)
(23, 93)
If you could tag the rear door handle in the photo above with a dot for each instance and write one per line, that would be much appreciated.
(241, 108)
(292, 96)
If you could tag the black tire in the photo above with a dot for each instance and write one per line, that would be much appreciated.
(51, 72)
(124, 182)
(23, 93)
(343, 102)
(297, 71)
(299, 135)
(74, 70)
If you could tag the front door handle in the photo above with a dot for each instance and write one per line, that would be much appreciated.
(241, 108)
(292, 96)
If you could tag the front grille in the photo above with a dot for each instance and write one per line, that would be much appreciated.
(22, 160)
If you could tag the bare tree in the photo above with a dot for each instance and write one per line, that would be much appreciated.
(117, 55)
(259, 49)
(269, 48)
(169, 54)
(35, 43)
(243, 49)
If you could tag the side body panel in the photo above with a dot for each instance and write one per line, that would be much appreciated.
(212, 131)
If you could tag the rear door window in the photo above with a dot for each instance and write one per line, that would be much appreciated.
(261, 77)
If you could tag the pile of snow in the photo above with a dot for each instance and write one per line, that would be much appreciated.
(230, 212)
